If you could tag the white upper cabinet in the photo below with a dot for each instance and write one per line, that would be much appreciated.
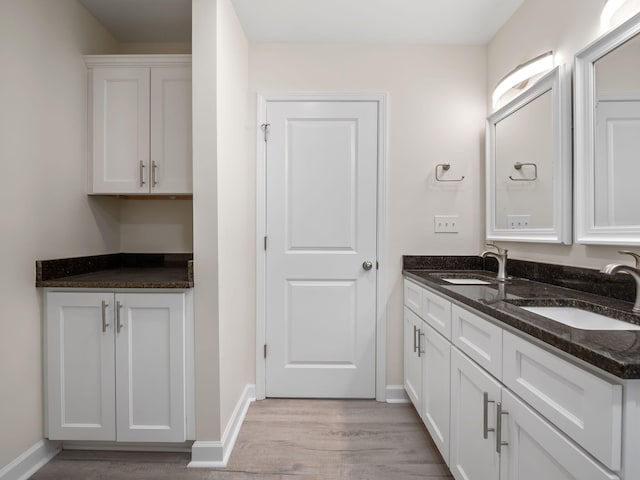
(140, 124)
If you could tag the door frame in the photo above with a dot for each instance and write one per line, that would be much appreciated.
(261, 223)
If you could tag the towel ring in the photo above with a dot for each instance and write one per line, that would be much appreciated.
(518, 166)
(446, 167)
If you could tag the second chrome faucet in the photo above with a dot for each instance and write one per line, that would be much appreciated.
(501, 256)
(614, 268)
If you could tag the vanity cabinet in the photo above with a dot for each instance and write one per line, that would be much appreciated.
(412, 359)
(474, 395)
(140, 124)
(514, 410)
(116, 366)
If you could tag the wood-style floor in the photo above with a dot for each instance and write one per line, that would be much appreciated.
(287, 439)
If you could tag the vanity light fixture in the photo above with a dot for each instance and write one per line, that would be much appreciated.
(522, 73)
(609, 9)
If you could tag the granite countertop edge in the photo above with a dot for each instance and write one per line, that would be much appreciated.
(553, 334)
(116, 271)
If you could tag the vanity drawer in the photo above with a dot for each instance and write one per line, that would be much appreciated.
(479, 339)
(437, 313)
(413, 296)
(584, 406)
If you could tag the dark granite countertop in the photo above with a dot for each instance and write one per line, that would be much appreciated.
(119, 270)
(616, 352)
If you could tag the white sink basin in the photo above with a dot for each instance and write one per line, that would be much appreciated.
(582, 319)
(466, 281)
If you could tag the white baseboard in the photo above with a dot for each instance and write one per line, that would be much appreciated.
(396, 394)
(30, 461)
(215, 454)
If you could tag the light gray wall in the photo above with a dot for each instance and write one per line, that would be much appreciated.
(44, 209)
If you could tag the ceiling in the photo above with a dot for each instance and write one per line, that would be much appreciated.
(316, 21)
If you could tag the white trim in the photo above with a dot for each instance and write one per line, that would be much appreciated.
(30, 461)
(261, 179)
(558, 82)
(397, 394)
(127, 446)
(215, 454)
(163, 60)
(584, 140)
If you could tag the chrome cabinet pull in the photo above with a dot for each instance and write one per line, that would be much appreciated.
(415, 345)
(499, 413)
(142, 166)
(420, 336)
(104, 316)
(118, 322)
(154, 169)
(485, 428)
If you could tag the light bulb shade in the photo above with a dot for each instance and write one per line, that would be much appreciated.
(533, 67)
(609, 9)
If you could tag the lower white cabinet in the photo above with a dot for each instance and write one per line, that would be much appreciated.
(474, 396)
(436, 399)
(412, 359)
(116, 367)
(533, 449)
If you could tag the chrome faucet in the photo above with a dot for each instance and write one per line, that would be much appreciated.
(614, 268)
(501, 256)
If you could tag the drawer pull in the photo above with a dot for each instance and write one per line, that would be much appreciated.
(499, 414)
(485, 416)
(104, 316)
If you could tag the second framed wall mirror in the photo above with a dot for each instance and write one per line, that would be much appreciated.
(607, 135)
(529, 164)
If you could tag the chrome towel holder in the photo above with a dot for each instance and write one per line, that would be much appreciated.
(445, 167)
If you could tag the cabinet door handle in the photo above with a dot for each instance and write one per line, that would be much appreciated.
(118, 322)
(499, 413)
(420, 335)
(154, 169)
(485, 428)
(104, 316)
(142, 165)
(415, 345)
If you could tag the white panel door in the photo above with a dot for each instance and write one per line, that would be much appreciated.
(436, 380)
(80, 358)
(617, 168)
(473, 452)
(120, 133)
(171, 138)
(150, 367)
(321, 226)
(535, 450)
(412, 359)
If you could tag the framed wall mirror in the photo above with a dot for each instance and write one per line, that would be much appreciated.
(528, 169)
(607, 138)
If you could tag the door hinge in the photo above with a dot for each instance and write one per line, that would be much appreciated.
(265, 350)
(264, 127)
(377, 265)
(265, 243)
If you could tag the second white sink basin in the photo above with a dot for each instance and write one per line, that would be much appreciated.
(582, 319)
(466, 281)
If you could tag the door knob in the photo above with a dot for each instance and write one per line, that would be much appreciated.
(367, 265)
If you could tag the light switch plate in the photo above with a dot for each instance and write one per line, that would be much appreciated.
(517, 222)
(445, 223)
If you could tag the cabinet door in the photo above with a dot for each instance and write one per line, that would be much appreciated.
(436, 399)
(412, 362)
(120, 130)
(534, 449)
(171, 138)
(472, 456)
(150, 367)
(79, 366)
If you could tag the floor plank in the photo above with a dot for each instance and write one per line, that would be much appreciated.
(287, 439)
